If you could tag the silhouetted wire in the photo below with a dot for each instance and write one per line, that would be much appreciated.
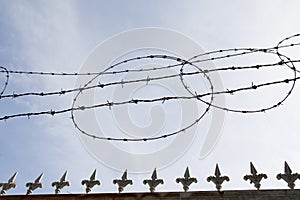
(66, 91)
(136, 101)
(3, 69)
(181, 63)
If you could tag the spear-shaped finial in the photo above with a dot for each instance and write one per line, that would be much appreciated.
(288, 176)
(218, 179)
(34, 185)
(123, 182)
(90, 183)
(287, 168)
(61, 183)
(187, 180)
(153, 182)
(9, 184)
(255, 178)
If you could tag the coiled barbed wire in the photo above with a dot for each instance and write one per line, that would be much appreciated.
(284, 61)
(4, 70)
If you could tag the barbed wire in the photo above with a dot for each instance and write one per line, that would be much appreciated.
(148, 79)
(4, 70)
(177, 63)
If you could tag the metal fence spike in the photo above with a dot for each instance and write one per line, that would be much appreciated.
(90, 183)
(218, 179)
(61, 183)
(9, 184)
(153, 182)
(187, 180)
(252, 169)
(287, 168)
(123, 182)
(288, 176)
(217, 171)
(255, 178)
(34, 185)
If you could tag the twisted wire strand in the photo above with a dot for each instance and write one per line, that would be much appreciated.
(3, 69)
(148, 79)
(181, 63)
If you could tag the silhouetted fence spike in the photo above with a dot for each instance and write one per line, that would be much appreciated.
(91, 182)
(153, 182)
(255, 178)
(123, 182)
(288, 176)
(218, 179)
(187, 180)
(61, 183)
(9, 184)
(34, 185)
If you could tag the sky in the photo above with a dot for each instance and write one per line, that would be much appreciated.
(59, 36)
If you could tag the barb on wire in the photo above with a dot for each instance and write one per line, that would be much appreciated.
(183, 67)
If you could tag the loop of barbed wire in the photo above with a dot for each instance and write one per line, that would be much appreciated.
(4, 70)
(136, 101)
(182, 64)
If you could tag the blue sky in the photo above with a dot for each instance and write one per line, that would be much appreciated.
(59, 35)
